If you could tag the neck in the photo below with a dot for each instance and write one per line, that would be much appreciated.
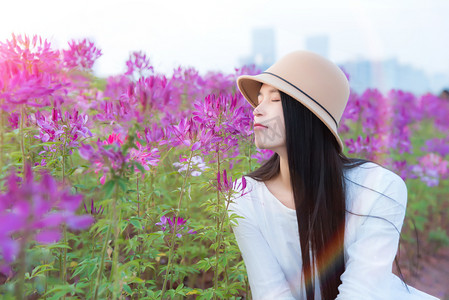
(284, 174)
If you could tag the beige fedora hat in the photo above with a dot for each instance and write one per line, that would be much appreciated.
(316, 82)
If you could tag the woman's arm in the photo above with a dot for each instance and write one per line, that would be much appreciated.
(370, 257)
(266, 278)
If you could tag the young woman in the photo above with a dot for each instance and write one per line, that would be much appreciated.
(315, 224)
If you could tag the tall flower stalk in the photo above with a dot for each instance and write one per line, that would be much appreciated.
(218, 238)
(101, 266)
(116, 220)
(172, 239)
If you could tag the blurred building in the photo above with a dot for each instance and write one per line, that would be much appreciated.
(384, 75)
(263, 49)
(318, 44)
(390, 74)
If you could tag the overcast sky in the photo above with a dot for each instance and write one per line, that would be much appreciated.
(213, 35)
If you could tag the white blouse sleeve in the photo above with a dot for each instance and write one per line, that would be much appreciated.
(266, 278)
(370, 257)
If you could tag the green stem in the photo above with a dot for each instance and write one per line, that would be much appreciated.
(218, 238)
(22, 268)
(114, 273)
(103, 253)
(64, 255)
(172, 244)
(220, 231)
(249, 158)
(63, 265)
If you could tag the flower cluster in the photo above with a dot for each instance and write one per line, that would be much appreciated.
(222, 120)
(368, 145)
(139, 64)
(262, 155)
(35, 209)
(169, 223)
(108, 155)
(440, 146)
(226, 185)
(430, 169)
(81, 54)
(67, 129)
(28, 71)
(105, 158)
(197, 165)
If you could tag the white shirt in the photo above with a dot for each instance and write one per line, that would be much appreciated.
(269, 240)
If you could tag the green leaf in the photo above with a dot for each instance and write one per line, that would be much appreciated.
(140, 167)
(127, 289)
(108, 188)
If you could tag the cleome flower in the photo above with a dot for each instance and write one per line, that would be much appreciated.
(167, 223)
(430, 169)
(35, 209)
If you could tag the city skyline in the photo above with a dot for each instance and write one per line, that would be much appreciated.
(213, 36)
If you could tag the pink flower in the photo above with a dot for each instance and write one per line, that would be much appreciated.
(367, 146)
(169, 223)
(139, 64)
(262, 155)
(226, 185)
(29, 71)
(431, 168)
(68, 129)
(108, 156)
(81, 54)
(37, 207)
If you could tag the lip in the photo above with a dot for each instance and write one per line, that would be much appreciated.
(258, 125)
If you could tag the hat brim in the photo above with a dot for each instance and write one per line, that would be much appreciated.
(249, 86)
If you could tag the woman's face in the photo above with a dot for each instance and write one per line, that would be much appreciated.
(269, 113)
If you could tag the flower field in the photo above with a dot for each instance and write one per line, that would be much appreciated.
(116, 188)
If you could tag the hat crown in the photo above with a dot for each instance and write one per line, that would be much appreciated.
(317, 77)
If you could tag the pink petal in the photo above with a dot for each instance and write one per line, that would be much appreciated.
(196, 146)
(79, 222)
(48, 236)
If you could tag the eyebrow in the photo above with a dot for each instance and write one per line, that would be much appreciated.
(272, 91)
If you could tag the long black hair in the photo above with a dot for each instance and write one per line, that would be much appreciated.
(317, 178)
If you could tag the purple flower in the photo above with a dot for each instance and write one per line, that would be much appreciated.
(430, 169)
(29, 71)
(37, 207)
(67, 129)
(262, 155)
(440, 146)
(93, 209)
(433, 108)
(169, 223)
(226, 185)
(368, 146)
(139, 63)
(402, 168)
(105, 158)
(81, 54)
(223, 114)
(108, 156)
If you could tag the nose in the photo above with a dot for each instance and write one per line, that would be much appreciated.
(256, 111)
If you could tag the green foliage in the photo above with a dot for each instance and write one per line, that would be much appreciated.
(204, 265)
(438, 237)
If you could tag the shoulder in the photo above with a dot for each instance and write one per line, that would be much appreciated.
(375, 185)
